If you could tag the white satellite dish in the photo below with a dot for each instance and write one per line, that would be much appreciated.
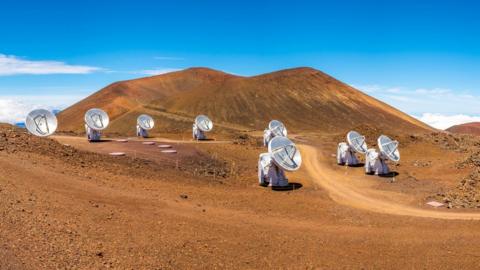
(202, 124)
(96, 120)
(375, 163)
(346, 151)
(283, 155)
(41, 122)
(144, 123)
(357, 142)
(275, 128)
(389, 148)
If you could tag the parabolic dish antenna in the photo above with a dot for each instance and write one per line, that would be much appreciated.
(41, 122)
(357, 142)
(204, 123)
(389, 148)
(277, 128)
(145, 121)
(285, 153)
(96, 119)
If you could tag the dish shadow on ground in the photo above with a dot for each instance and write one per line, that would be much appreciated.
(101, 141)
(390, 174)
(291, 186)
(205, 140)
(353, 166)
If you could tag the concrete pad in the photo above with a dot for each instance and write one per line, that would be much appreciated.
(117, 154)
(172, 151)
(165, 146)
(148, 143)
(435, 204)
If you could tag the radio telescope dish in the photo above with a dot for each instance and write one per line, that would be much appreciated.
(204, 123)
(282, 156)
(346, 151)
(357, 142)
(96, 119)
(389, 148)
(284, 153)
(277, 128)
(41, 122)
(145, 121)
(375, 163)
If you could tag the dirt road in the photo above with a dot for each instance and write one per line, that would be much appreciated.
(343, 193)
(73, 209)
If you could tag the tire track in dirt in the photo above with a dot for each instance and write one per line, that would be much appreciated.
(347, 195)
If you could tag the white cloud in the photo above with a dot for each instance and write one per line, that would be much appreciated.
(394, 90)
(158, 71)
(401, 98)
(422, 100)
(434, 91)
(441, 121)
(13, 65)
(439, 107)
(14, 109)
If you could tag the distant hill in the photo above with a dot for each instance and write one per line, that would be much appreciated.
(305, 99)
(468, 128)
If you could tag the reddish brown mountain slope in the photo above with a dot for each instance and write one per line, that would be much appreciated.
(468, 128)
(304, 98)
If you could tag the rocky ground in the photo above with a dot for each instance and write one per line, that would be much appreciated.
(465, 193)
(74, 207)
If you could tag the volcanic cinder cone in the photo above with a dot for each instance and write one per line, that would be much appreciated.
(468, 128)
(304, 99)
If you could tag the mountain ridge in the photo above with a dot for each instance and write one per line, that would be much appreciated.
(304, 98)
(472, 128)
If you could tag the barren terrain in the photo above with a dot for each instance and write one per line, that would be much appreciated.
(468, 128)
(73, 206)
(305, 99)
(67, 204)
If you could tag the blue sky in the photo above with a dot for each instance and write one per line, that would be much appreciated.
(420, 56)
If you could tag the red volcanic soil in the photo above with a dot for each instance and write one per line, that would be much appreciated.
(75, 207)
(304, 99)
(468, 128)
(65, 203)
